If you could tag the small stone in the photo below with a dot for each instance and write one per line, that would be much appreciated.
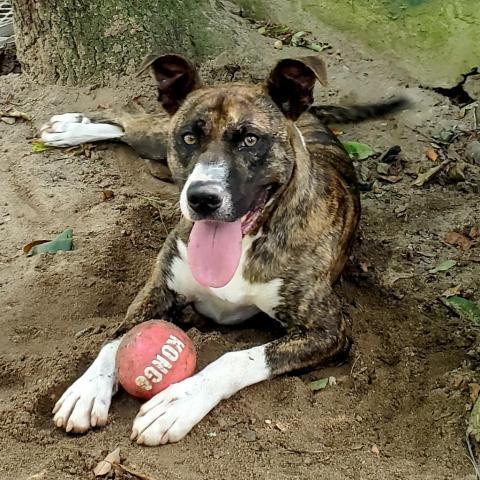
(472, 152)
(375, 450)
(278, 44)
(250, 435)
(358, 418)
(383, 168)
(8, 120)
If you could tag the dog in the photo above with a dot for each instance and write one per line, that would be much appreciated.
(270, 207)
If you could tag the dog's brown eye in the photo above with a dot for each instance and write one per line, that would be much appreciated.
(250, 140)
(190, 139)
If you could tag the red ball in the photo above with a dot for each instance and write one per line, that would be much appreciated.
(152, 356)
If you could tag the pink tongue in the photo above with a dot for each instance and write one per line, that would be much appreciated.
(214, 251)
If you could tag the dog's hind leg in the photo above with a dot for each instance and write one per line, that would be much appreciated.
(71, 129)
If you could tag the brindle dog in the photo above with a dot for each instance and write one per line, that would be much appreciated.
(269, 211)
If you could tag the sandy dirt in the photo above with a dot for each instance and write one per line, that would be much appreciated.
(404, 390)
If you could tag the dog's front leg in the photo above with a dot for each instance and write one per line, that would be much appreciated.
(171, 414)
(86, 402)
(315, 338)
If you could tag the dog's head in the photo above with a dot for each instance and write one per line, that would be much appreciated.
(230, 146)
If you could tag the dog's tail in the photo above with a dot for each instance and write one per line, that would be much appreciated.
(328, 114)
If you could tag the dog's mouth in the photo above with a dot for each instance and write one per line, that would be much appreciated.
(215, 248)
(252, 218)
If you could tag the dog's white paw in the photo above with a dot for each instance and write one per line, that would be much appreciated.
(171, 414)
(85, 404)
(70, 129)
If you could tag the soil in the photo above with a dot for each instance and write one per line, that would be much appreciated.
(400, 404)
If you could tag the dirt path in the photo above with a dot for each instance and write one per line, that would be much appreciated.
(405, 389)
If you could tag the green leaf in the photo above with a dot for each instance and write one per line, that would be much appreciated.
(357, 150)
(297, 39)
(39, 147)
(64, 242)
(318, 384)
(262, 30)
(464, 308)
(316, 47)
(443, 267)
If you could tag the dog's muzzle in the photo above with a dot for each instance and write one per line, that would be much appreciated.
(205, 198)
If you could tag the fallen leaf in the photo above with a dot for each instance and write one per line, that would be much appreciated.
(364, 266)
(357, 150)
(38, 476)
(133, 472)
(297, 39)
(38, 146)
(463, 308)
(105, 466)
(8, 120)
(318, 384)
(15, 114)
(431, 154)
(474, 232)
(281, 426)
(452, 291)
(458, 240)
(474, 391)
(443, 267)
(423, 178)
(63, 242)
(375, 450)
(316, 47)
(390, 178)
(107, 195)
(392, 278)
(391, 155)
(29, 246)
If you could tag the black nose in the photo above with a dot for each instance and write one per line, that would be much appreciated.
(203, 198)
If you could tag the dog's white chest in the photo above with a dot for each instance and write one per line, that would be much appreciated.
(231, 304)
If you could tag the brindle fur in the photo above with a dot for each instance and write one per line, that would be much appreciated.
(305, 235)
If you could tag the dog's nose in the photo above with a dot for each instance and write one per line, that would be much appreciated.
(203, 198)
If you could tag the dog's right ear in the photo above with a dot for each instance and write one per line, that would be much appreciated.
(176, 78)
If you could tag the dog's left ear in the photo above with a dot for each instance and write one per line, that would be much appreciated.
(291, 83)
(176, 78)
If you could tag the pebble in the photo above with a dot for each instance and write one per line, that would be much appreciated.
(250, 435)
(472, 152)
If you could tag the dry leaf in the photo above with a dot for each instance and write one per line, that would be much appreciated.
(458, 240)
(105, 466)
(431, 154)
(29, 246)
(107, 195)
(474, 232)
(281, 426)
(38, 476)
(452, 291)
(134, 473)
(390, 178)
(364, 266)
(15, 114)
(474, 391)
(423, 178)
(375, 450)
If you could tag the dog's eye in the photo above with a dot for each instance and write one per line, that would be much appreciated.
(189, 138)
(250, 140)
